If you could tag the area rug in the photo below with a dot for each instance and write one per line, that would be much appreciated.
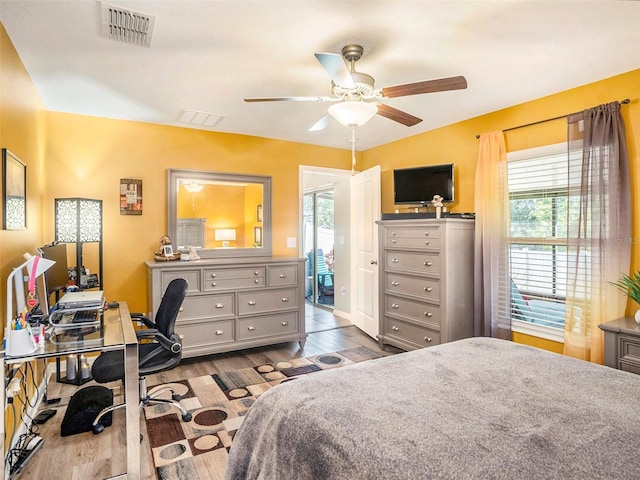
(199, 449)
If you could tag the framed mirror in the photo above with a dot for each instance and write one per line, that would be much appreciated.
(14, 192)
(218, 213)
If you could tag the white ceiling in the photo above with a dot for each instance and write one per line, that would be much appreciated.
(209, 55)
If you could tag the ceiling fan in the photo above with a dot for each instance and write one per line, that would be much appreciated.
(358, 97)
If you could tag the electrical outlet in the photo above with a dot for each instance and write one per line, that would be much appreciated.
(14, 387)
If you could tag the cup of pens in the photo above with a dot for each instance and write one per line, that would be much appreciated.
(20, 340)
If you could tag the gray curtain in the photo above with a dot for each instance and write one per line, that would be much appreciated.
(599, 226)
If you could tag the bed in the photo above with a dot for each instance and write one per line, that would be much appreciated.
(477, 408)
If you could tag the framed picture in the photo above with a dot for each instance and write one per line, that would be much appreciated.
(259, 214)
(167, 250)
(130, 196)
(14, 192)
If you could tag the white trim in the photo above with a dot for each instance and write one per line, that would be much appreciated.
(536, 152)
(527, 328)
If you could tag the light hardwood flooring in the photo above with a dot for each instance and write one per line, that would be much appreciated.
(88, 456)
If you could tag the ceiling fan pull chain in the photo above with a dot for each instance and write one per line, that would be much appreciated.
(353, 150)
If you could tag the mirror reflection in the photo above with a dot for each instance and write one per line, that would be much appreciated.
(220, 214)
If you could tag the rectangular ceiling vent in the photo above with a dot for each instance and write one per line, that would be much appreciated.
(126, 25)
(203, 119)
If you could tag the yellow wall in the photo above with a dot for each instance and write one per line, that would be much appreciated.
(22, 131)
(458, 144)
(72, 155)
(87, 157)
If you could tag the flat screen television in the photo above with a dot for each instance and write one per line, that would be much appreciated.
(418, 185)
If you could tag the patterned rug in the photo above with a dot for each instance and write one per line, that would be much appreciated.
(198, 449)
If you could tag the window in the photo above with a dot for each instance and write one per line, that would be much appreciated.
(539, 201)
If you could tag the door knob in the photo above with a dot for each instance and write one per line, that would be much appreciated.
(374, 262)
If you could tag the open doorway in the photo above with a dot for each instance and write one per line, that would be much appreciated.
(318, 244)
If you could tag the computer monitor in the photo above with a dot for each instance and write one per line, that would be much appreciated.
(57, 277)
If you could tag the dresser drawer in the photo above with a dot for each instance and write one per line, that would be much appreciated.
(426, 288)
(426, 313)
(629, 349)
(191, 276)
(282, 275)
(417, 262)
(207, 332)
(267, 301)
(409, 332)
(266, 326)
(208, 306)
(413, 237)
(231, 279)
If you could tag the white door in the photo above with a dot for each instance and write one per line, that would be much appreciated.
(365, 211)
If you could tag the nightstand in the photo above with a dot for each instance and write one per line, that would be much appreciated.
(622, 344)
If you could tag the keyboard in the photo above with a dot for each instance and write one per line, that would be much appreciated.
(85, 316)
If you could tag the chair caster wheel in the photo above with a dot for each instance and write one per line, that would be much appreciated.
(176, 397)
(98, 428)
(187, 417)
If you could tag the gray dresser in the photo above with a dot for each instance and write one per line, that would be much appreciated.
(426, 281)
(234, 303)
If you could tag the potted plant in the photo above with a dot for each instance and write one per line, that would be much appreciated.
(630, 285)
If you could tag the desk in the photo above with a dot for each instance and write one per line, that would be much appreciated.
(119, 335)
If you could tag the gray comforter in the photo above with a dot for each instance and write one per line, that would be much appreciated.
(472, 409)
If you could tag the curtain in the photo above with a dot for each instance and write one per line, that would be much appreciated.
(599, 227)
(491, 201)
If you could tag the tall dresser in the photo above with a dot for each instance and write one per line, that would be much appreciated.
(234, 303)
(426, 282)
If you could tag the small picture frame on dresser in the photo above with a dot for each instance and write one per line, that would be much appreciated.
(167, 250)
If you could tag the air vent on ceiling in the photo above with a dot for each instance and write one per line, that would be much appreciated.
(126, 25)
(204, 119)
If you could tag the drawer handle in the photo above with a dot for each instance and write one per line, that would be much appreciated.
(428, 264)
(395, 305)
(426, 234)
(256, 281)
(181, 309)
(394, 283)
(394, 260)
(284, 324)
(428, 314)
(213, 275)
(219, 305)
(213, 284)
(393, 241)
(428, 339)
(393, 233)
(256, 273)
(251, 328)
(284, 299)
(395, 329)
(219, 332)
(283, 275)
(426, 242)
(251, 302)
(428, 289)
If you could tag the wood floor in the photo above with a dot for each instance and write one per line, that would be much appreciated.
(88, 456)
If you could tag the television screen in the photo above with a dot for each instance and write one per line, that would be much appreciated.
(418, 185)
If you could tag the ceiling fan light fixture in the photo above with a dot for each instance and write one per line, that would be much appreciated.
(353, 113)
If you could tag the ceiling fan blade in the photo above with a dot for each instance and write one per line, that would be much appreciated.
(290, 99)
(321, 124)
(398, 115)
(337, 69)
(428, 86)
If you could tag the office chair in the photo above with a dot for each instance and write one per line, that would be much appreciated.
(159, 349)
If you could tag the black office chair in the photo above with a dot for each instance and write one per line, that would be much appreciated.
(159, 349)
